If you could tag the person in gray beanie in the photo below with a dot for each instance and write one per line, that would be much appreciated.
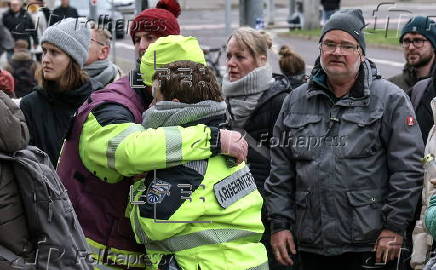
(71, 36)
(346, 170)
(418, 39)
(350, 21)
(62, 85)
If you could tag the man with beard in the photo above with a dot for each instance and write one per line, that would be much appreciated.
(418, 38)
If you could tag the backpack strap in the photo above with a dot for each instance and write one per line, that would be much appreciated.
(418, 91)
(4, 156)
(11, 257)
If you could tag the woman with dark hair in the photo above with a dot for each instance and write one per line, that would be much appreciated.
(254, 97)
(292, 66)
(62, 85)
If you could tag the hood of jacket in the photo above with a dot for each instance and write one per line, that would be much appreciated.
(281, 84)
(361, 88)
(72, 97)
(14, 134)
(297, 79)
(409, 74)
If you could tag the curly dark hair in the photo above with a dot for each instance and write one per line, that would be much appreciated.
(187, 81)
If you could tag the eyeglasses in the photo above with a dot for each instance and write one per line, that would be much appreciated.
(417, 42)
(98, 42)
(345, 49)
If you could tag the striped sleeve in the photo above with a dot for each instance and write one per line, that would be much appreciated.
(117, 150)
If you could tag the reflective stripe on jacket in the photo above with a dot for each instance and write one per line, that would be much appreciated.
(96, 163)
(215, 225)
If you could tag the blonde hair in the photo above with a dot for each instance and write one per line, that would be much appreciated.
(257, 42)
(290, 62)
(103, 35)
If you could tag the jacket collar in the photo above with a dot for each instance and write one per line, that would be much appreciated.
(140, 88)
(22, 11)
(72, 97)
(281, 84)
(360, 91)
(409, 74)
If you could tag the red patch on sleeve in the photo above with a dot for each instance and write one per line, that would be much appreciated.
(410, 121)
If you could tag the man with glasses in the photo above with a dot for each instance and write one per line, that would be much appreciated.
(98, 66)
(418, 39)
(345, 173)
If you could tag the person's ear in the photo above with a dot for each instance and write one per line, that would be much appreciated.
(104, 53)
(261, 60)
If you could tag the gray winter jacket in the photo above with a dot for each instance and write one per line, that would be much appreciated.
(14, 235)
(344, 169)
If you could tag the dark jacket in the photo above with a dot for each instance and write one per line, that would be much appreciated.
(406, 79)
(48, 115)
(7, 40)
(260, 126)
(61, 13)
(20, 25)
(23, 68)
(345, 168)
(297, 80)
(108, 225)
(424, 114)
(14, 136)
(331, 4)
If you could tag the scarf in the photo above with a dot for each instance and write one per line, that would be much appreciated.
(103, 71)
(243, 94)
(170, 113)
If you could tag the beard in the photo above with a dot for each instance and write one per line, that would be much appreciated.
(425, 60)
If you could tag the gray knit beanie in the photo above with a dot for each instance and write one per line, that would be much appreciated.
(70, 35)
(350, 21)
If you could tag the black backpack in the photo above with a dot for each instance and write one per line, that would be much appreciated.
(56, 235)
(24, 77)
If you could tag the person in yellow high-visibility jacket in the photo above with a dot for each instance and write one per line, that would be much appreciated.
(202, 214)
